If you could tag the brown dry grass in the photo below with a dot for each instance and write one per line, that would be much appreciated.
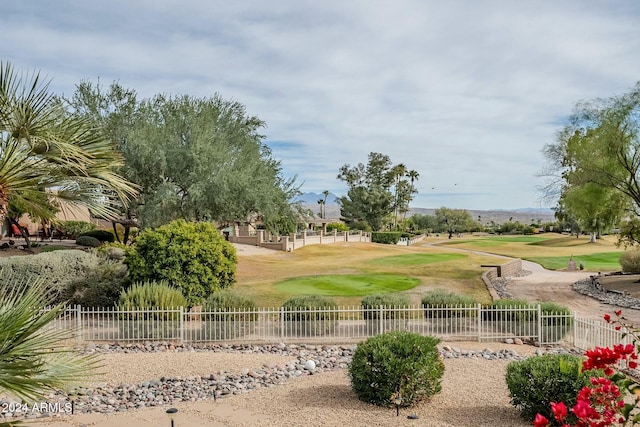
(257, 275)
(553, 245)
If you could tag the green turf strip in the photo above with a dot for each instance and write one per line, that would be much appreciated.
(415, 259)
(347, 284)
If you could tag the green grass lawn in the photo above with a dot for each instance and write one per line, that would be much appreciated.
(415, 259)
(347, 285)
(600, 261)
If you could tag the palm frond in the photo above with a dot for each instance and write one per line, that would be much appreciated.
(32, 357)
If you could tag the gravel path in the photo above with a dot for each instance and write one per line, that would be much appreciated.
(474, 392)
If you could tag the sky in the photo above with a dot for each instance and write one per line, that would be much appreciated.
(466, 93)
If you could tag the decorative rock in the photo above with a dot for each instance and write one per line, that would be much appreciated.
(310, 365)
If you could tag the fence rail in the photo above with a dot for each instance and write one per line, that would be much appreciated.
(343, 324)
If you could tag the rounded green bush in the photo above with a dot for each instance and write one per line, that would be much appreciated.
(102, 235)
(227, 315)
(439, 303)
(310, 315)
(74, 229)
(191, 256)
(100, 286)
(537, 381)
(630, 261)
(396, 365)
(556, 321)
(496, 310)
(392, 315)
(372, 303)
(92, 242)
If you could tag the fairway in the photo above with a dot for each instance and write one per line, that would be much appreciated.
(347, 285)
(415, 259)
(601, 261)
(551, 250)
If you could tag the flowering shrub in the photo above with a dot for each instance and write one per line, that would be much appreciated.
(612, 399)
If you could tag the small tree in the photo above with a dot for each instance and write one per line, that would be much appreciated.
(191, 256)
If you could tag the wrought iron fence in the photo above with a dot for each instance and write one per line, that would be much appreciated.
(342, 324)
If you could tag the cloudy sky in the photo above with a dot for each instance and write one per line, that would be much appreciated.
(465, 92)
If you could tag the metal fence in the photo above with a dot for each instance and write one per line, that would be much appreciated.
(342, 324)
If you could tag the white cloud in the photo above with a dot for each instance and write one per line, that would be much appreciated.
(466, 93)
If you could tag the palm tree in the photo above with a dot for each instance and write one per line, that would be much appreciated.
(321, 203)
(44, 148)
(413, 176)
(33, 360)
(398, 171)
(324, 203)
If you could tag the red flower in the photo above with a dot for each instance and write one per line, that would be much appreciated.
(618, 313)
(540, 421)
(607, 318)
(559, 411)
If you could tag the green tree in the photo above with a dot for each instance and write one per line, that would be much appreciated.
(33, 358)
(596, 207)
(44, 148)
(376, 191)
(454, 220)
(191, 256)
(427, 223)
(599, 147)
(196, 159)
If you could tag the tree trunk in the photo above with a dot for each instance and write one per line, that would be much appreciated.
(115, 231)
(592, 237)
(23, 230)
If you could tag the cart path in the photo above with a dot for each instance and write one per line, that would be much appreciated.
(553, 285)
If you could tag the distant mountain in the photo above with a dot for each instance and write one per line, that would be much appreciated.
(499, 216)
(312, 198)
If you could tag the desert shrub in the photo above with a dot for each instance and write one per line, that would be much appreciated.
(630, 261)
(57, 268)
(439, 303)
(234, 315)
(101, 235)
(306, 316)
(113, 251)
(396, 364)
(144, 317)
(191, 256)
(151, 294)
(74, 229)
(88, 241)
(372, 302)
(537, 381)
(509, 310)
(556, 321)
(338, 226)
(100, 287)
(387, 237)
(380, 319)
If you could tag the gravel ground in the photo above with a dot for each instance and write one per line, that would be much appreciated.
(474, 393)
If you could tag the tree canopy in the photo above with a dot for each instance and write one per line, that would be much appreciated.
(193, 158)
(594, 165)
(454, 220)
(375, 191)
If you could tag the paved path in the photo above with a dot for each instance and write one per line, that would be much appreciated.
(550, 285)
